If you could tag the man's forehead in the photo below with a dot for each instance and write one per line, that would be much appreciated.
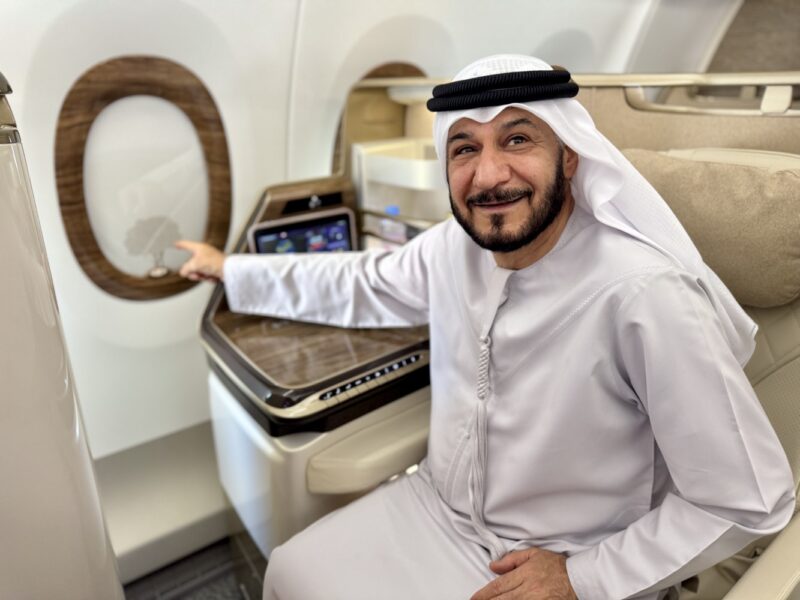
(506, 116)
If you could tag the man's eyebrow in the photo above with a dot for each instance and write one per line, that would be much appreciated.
(461, 135)
(465, 135)
(521, 121)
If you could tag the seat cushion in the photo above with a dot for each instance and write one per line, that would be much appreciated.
(742, 210)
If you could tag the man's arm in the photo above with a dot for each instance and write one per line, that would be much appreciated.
(350, 289)
(732, 482)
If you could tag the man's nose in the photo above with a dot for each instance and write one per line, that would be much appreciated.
(492, 169)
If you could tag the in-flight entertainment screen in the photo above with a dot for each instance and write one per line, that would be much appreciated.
(329, 233)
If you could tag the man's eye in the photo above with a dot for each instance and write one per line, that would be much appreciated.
(516, 140)
(462, 150)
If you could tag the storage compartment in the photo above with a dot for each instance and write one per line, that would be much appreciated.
(400, 188)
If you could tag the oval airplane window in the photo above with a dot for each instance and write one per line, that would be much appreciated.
(395, 69)
(144, 198)
(145, 184)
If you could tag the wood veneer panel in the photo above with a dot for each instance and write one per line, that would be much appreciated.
(295, 355)
(96, 89)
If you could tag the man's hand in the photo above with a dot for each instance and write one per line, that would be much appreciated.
(204, 265)
(531, 574)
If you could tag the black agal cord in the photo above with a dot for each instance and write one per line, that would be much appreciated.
(502, 88)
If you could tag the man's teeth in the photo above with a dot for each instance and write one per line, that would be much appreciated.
(500, 202)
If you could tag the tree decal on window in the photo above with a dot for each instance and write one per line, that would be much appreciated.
(153, 236)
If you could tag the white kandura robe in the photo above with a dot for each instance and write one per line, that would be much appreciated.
(620, 428)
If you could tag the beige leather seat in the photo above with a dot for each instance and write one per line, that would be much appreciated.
(742, 210)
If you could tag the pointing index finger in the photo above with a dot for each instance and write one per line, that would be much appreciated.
(182, 244)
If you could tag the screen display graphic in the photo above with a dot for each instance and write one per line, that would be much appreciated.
(324, 235)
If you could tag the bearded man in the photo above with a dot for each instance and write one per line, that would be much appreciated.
(593, 434)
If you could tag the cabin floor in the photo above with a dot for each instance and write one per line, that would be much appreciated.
(231, 569)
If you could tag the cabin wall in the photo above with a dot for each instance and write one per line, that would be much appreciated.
(672, 40)
(764, 36)
(139, 368)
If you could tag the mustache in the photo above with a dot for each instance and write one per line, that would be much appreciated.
(498, 196)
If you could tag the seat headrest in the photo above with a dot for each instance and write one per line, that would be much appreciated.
(742, 210)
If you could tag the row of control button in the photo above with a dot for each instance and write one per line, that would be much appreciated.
(368, 381)
(305, 407)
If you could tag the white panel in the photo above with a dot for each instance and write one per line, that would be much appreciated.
(54, 543)
(265, 477)
(163, 500)
(139, 369)
(145, 184)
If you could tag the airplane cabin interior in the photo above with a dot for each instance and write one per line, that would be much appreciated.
(156, 444)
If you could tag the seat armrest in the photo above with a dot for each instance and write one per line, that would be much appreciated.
(360, 462)
(777, 572)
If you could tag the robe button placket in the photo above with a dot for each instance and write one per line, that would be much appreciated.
(483, 367)
(477, 476)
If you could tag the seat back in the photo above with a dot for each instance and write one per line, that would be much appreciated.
(774, 372)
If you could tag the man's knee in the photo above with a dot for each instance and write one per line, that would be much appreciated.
(278, 579)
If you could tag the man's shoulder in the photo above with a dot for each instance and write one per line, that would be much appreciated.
(610, 254)
(609, 266)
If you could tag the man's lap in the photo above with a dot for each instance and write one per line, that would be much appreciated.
(396, 542)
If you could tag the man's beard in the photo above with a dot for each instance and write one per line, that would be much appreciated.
(541, 216)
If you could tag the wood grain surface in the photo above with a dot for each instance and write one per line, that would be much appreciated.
(296, 355)
(97, 88)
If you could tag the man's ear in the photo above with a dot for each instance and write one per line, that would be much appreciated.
(570, 162)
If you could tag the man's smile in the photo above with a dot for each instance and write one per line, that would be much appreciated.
(498, 201)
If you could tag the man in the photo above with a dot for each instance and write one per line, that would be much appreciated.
(592, 432)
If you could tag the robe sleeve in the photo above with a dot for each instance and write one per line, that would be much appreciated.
(350, 289)
(732, 481)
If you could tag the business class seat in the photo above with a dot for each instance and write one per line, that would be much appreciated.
(742, 210)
